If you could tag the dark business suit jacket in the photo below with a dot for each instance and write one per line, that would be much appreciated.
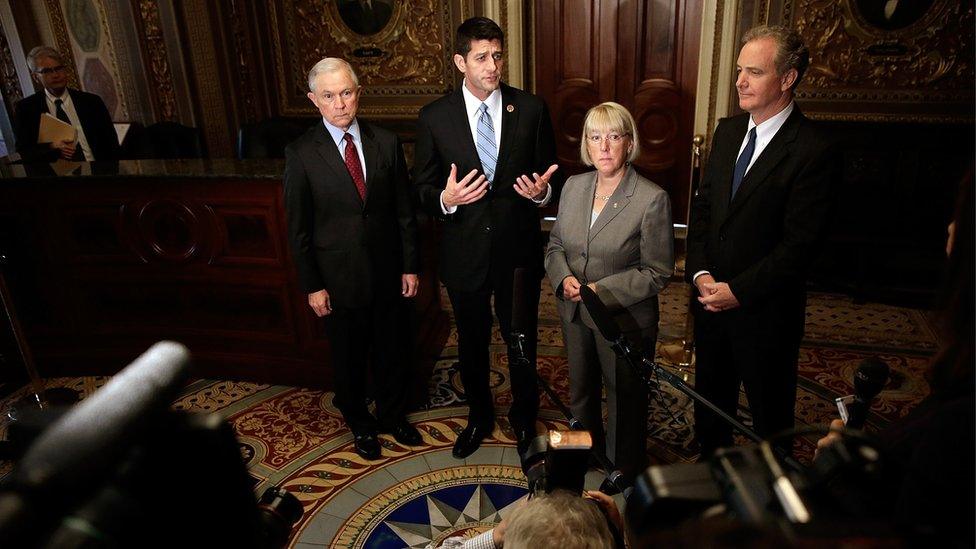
(355, 250)
(502, 229)
(94, 118)
(763, 242)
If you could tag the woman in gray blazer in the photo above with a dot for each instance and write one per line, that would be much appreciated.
(613, 233)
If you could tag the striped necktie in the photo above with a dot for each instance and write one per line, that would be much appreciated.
(486, 144)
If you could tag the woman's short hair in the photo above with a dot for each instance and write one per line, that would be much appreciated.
(329, 65)
(609, 117)
(559, 519)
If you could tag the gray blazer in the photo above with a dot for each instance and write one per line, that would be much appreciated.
(628, 252)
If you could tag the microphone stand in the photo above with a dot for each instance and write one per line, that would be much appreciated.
(614, 476)
(607, 327)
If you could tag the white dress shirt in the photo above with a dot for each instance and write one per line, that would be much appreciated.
(472, 106)
(337, 136)
(764, 134)
(69, 109)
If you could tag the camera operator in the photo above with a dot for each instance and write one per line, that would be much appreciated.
(557, 519)
(928, 483)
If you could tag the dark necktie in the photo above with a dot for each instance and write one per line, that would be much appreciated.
(63, 116)
(743, 162)
(354, 167)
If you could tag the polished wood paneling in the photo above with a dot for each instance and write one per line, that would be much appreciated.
(103, 266)
(643, 55)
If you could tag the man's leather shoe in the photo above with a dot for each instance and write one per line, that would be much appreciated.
(470, 439)
(406, 434)
(367, 446)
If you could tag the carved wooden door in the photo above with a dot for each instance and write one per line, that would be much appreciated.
(640, 53)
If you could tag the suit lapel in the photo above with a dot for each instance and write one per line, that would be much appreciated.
(726, 165)
(618, 201)
(509, 125)
(462, 130)
(371, 154)
(775, 151)
(327, 149)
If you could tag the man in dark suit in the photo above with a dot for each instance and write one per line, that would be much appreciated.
(755, 225)
(354, 238)
(96, 137)
(490, 221)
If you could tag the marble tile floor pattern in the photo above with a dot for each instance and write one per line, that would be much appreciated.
(412, 496)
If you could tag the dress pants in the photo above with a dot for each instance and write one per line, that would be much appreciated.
(736, 347)
(379, 335)
(472, 315)
(593, 365)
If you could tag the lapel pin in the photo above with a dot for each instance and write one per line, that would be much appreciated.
(510, 108)
(614, 204)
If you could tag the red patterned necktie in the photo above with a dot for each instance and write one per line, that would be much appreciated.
(354, 167)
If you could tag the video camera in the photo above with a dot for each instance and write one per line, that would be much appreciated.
(747, 484)
(557, 460)
(122, 469)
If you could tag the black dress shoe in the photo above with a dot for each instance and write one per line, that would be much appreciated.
(406, 434)
(470, 439)
(367, 446)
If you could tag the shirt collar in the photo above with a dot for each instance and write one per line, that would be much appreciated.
(472, 103)
(768, 128)
(63, 97)
(337, 133)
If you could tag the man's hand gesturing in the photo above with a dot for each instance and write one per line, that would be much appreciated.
(467, 190)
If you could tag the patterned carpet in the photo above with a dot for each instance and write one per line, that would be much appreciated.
(295, 437)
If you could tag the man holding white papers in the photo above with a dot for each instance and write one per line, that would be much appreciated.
(95, 137)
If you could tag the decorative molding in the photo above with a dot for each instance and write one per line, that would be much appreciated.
(243, 56)
(60, 31)
(402, 66)
(154, 48)
(8, 73)
(921, 70)
(210, 97)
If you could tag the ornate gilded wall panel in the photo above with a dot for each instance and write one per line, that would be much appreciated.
(8, 73)
(886, 60)
(153, 44)
(402, 52)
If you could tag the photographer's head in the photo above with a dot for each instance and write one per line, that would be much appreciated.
(558, 519)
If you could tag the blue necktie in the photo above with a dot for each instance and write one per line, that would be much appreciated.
(743, 162)
(486, 144)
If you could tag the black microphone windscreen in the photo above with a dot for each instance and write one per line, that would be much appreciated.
(870, 378)
(601, 316)
(519, 309)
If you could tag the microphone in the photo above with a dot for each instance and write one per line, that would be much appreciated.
(601, 315)
(869, 380)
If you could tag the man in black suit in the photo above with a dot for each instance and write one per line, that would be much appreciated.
(96, 137)
(755, 225)
(354, 238)
(490, 221)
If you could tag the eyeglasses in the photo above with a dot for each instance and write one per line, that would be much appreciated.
(51, 70)
(614, 138)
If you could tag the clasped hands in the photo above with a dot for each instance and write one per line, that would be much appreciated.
(321, 301)
(571, 288)
(471, 189)
(715, 296)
